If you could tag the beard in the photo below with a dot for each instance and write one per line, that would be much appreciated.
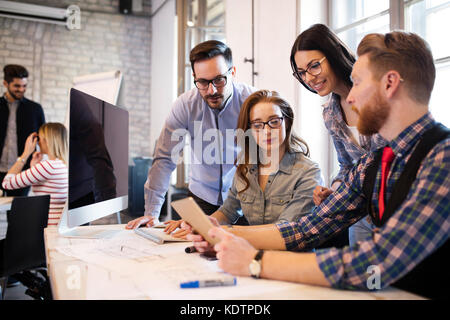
(373, 115)
(15, 96)
(217, 100)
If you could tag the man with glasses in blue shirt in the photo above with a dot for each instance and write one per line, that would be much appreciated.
(205, 114)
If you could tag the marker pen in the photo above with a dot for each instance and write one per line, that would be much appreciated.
(190, 249)
(229, 281)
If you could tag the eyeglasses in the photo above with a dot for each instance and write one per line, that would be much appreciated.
(218, 82)
(315, 69)
(274, 123)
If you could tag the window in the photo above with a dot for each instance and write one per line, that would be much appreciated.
(199, 20)
(205, 20)
(353, 19)
(430, 19)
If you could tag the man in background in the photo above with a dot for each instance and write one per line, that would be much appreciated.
(19, 117)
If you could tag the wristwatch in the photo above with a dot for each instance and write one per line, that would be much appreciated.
(21, 159)
(255, 266)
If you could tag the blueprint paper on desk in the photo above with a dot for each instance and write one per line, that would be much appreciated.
(125, 255)
(102, 284)
(162, 281)
(142, 268)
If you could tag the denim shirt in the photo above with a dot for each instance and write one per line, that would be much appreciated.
(288, 194)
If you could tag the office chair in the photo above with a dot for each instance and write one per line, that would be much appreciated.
(23, 248)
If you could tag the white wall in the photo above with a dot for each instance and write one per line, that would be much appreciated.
(311, 124)
(275, 27)
(238, 29)
(163, 66)
(275, 33)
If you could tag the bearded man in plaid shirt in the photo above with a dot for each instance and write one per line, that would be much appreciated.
(392, 83)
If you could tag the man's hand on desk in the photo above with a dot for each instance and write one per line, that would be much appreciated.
(147, 220)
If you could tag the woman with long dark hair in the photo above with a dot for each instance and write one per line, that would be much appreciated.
(322, 63)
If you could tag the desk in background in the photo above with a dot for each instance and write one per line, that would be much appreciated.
(127, 266)
(5, 205)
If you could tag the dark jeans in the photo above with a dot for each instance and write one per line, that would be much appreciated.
(207, 207)
(13, 193)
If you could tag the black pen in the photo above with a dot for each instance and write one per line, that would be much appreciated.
(190, 249)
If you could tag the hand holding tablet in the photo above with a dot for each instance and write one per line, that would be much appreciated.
(189, 211)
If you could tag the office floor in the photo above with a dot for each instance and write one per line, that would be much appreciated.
(18, 292)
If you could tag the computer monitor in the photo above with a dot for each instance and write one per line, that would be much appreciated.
(98, 159)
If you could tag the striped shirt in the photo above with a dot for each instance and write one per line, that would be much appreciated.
(418, 227)
(48, 177)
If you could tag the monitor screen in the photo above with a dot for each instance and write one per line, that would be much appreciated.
(98, 158)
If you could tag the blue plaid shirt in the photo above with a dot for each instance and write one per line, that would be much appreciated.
(348, 150)
(419, 226)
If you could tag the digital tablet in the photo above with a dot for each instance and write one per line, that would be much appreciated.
(189, 211)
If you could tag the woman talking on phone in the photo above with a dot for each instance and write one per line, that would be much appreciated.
(45, 176)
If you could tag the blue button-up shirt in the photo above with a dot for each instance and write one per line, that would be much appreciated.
(287, 196)
(191, 118)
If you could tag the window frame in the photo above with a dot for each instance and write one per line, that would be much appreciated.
(397, 21)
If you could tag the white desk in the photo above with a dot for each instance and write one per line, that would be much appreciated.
(5, 205)
(103, 273)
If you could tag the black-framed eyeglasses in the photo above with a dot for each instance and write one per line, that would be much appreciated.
(218, 82)
(314, 69)
(273, 123)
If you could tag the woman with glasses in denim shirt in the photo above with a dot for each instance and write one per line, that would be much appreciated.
(322, 63)
(274, 179)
